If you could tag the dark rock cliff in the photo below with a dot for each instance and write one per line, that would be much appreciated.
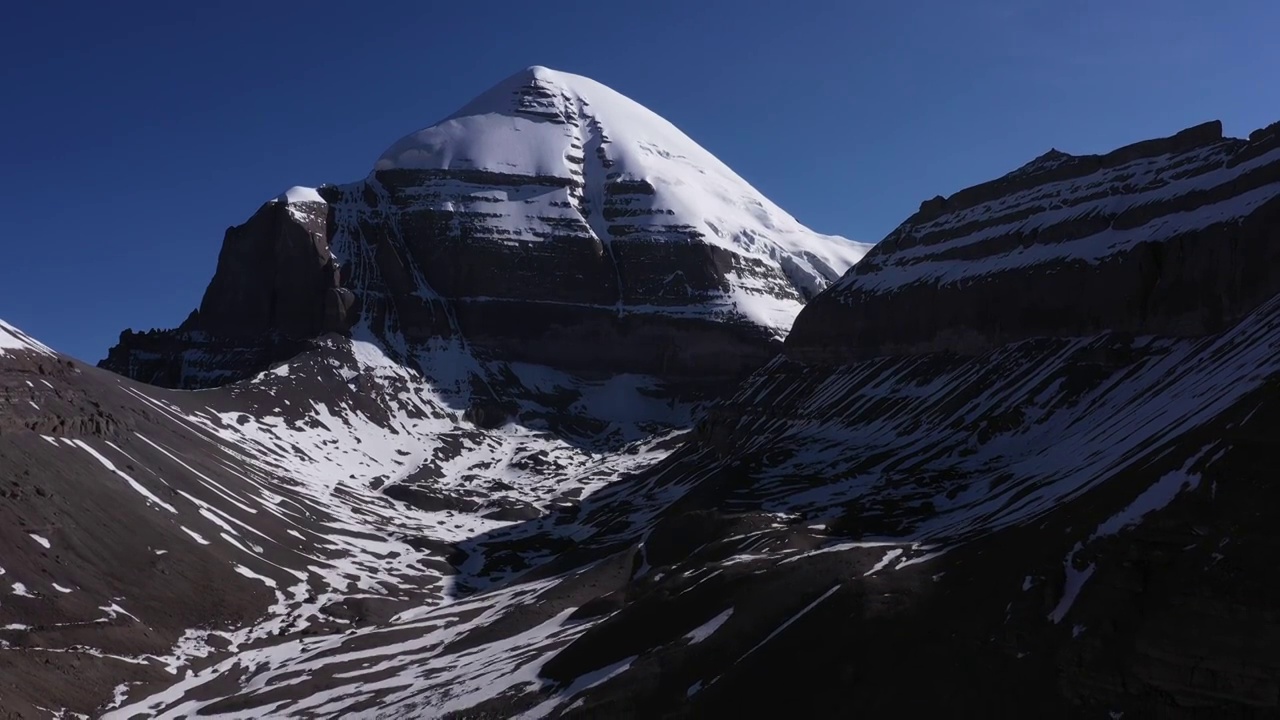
(277, 286)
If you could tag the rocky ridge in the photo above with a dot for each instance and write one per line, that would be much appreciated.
(1174, 236)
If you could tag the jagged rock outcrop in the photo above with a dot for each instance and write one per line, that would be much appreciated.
(276, 273)
(550, 221)
(276, 287)
(1177, 236)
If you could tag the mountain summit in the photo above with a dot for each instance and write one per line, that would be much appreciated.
(551, 220)
(628, 171)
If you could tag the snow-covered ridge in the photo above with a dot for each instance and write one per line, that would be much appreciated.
(544, 103)
(1084, 216)
(12, 339)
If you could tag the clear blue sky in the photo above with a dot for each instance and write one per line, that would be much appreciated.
(133, 134)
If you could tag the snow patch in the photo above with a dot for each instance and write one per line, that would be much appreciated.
(704, 631)
(884, 561)
(1075, 580)
(195, 535)
(297, 194)
(141, 490)
(1154, 498)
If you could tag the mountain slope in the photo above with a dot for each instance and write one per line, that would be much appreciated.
(150, 529)
(1031, 530)
(1170, 236)
(929, 503)
(1071, 524)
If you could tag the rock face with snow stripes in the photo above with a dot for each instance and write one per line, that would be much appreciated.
(551, 220)
(1176, 236)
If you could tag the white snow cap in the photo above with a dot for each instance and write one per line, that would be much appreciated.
(12, 339)
(297, 193)
(542, 122)
(514, 128)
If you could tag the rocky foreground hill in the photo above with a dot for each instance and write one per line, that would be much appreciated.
(1016, 462)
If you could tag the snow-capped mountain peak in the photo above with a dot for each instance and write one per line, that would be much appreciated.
(551, 220)
(559, 108)
(629, 174)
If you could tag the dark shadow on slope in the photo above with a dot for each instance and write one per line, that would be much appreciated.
(1079, 610)
(970, 632)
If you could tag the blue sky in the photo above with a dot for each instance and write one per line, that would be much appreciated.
(133, 134)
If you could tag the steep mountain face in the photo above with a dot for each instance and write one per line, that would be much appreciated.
(277, 286)
(1175, 236)
(550, 221)
(923, 506)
